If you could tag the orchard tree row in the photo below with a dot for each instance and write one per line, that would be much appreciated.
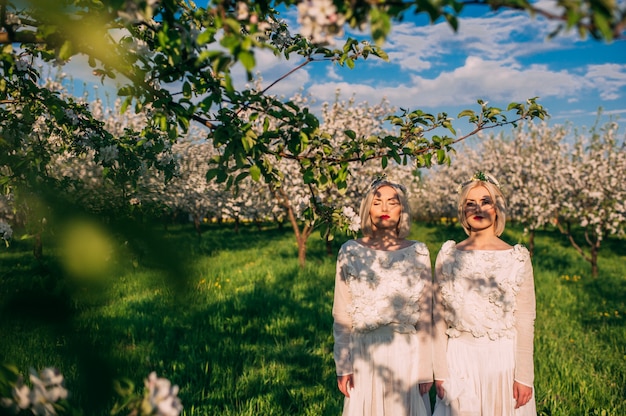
(174, 61)
(188, 193)
(550, 176)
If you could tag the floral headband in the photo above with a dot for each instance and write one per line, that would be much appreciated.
(382, 179)
(482, 177)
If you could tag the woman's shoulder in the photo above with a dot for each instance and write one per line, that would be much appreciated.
(521, 252)
(419, 247)
(448, 246)
(349, 244)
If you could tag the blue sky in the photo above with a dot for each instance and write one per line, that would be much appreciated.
(499, 58)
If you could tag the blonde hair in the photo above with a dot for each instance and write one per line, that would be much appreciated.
(496, 195)
(404, 224)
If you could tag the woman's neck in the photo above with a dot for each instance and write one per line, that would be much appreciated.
(483, 240)
(384, 241)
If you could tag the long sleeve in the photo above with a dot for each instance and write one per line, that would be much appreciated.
(525, 314)
(440, 336)
(342, 325)
(424, 327)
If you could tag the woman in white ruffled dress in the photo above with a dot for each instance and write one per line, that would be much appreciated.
(484, 313)
(382, 312)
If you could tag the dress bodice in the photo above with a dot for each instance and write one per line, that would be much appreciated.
(479, 289)
(385, 286)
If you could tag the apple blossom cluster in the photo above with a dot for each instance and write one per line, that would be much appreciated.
(353, 218)
(268, 29)
(137, 11)
(6, 232)
(161, 397)
(320, 21)
(12, 19)
(47, 389)
(22, 65)
(108, 154)
(48, 396)
(279, 33)
(138, 47)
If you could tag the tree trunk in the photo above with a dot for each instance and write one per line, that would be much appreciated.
(301, 235)
(301, 252)
(594, 245)
(593, 258)
(197, 224)
(329, 247)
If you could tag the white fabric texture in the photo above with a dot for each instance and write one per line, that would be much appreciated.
(484, 313)
(382, 328)
(481, 379)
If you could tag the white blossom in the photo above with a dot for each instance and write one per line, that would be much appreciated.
(12, 19)
(21, 396)
(162, 397)
(109, 154)
(138, 11)
(22, 65)
(6, 232)
(320, 21)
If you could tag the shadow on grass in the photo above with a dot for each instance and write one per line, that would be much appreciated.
(261, 346)
(269, 345)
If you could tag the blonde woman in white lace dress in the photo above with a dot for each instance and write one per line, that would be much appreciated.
(382, 312)
(484, 313)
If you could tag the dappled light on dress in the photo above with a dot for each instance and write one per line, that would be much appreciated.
(382, 328)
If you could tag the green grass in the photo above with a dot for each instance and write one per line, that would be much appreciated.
(233, 320)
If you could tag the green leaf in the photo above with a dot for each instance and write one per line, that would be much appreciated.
(441, 156)
(308, 176)
(65, 53)
(212, 174)
(247, 59)
(206, 36)
(255, 173)
(380, 23)
(186, 89)
(241, 176)
(466, 113)
(603, 24)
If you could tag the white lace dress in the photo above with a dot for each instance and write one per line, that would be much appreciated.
(485, 340)
(382, 328)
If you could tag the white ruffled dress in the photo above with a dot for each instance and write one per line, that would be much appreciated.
(382, 328)
(484, 327)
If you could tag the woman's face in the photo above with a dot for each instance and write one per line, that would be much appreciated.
(479, 209)
(386, 209)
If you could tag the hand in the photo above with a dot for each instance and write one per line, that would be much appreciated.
(441, 392)
(425, 387)
(521, 394)
(345, 383)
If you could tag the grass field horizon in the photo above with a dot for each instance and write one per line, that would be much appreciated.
(231, 319)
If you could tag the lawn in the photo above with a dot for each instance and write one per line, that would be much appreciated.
(231, 319)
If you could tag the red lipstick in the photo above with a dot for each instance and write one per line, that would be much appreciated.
(384, 217)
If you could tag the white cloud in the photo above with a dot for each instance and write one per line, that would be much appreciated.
(505, 36)
(609, 79)
(493, 81)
